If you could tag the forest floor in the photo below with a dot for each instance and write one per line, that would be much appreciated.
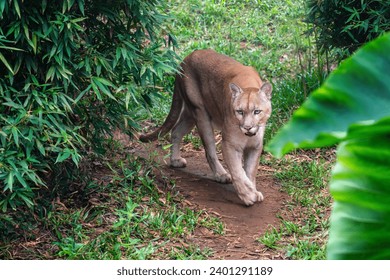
(243, 225)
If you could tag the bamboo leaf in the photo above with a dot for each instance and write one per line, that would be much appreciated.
(40, 147)
(15, 134)
(81, 6)
(11, 48)
(10, 181)
(82, 94)
(26, 199)
(34, 43)
(2, 6)
(21, 180)
(63, 156)
(5, 62)
(103, 85)
(12, 104)
(17, 8)
(50, 73)
(96, 90)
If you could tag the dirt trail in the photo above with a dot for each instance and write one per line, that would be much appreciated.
(243, 224)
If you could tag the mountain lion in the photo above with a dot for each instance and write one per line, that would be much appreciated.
(214, 91)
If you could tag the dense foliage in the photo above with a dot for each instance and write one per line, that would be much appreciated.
(70, 72)
(347, 25)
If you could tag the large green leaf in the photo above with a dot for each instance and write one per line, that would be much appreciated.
(352, 108)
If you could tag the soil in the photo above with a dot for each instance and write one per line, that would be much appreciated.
(243, 225)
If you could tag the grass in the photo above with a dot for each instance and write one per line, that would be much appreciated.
(123, 211)
(304, 220)
(264, 34)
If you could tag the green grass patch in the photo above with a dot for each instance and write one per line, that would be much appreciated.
(304, 219)
(264, 34)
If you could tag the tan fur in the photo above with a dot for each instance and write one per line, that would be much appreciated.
(216, 92)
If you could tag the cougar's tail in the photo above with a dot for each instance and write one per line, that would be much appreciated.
(172, 118)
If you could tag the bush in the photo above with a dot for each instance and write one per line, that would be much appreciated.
(70, 72)
(348, 24)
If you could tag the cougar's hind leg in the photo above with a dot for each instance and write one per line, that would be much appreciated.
(182, 127)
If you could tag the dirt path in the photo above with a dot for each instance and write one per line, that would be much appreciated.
(243, 224)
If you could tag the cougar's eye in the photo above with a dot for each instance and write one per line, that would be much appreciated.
(256, 112)
(240, 112)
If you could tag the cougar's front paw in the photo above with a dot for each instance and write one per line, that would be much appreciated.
(251, 198)
(224, 178)
(178, 162)
(248, 194)
(260, 196)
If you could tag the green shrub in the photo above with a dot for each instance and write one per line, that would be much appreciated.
(347, 25)
(70, 72)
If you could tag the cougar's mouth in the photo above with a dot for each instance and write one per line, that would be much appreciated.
(250, 134)
(249, 131)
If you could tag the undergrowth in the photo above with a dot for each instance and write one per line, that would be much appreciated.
(123, 213)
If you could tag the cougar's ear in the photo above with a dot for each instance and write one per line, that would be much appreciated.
(266, 88)
(235, 90)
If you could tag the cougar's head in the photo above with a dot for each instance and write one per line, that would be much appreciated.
(252, 107)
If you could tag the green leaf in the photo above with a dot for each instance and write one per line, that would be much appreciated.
(63, 156)
(26, 199)
(15, 134)
(44, 5)
(82, 94)
(17, 8)
(81, 6)
(5, 62)
(26, 31)
(50, 73)
(2, 6)
(10, 181)
(34, 42)
(76, 158)
(21, 180)
(96, 90)
(359, 90)
(11, 48)
(12, 104)
(360, 221)
(65, 102)
(103, 85)
(40, 147)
